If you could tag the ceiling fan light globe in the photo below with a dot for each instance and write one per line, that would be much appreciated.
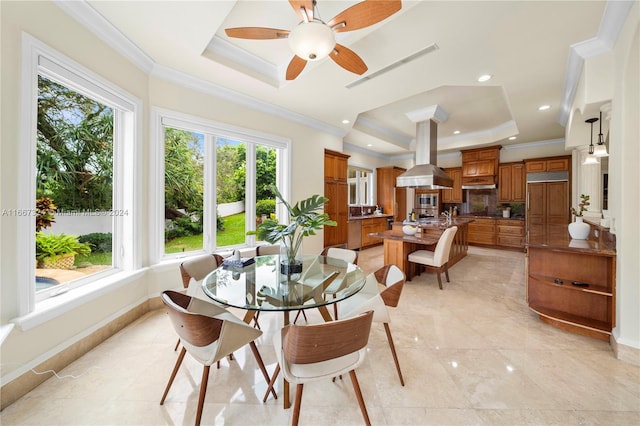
(312, 41)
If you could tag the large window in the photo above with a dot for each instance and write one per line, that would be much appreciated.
(360, 183)
(217, 183)
(79, 138)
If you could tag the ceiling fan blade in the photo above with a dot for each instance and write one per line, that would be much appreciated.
(348, 59)
(258, 33)
(303, 8)
(295, 67)
(363, 14)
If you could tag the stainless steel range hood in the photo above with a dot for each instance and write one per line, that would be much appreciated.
(425, 174)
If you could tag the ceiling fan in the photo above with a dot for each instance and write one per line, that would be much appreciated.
(313, 39)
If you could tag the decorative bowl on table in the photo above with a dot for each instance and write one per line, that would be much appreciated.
(409, 230)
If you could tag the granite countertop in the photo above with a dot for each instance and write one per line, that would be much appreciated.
(437, 223)
(562, 241)
(369, 216)
(418, 238)
(480, 216)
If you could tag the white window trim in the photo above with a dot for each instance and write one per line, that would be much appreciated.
(38, 58)
(161, 117)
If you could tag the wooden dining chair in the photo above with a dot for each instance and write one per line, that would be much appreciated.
(391, 279)
(208, 333)
(438, 259)
(314, 352)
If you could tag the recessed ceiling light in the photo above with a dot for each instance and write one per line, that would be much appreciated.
(544, 107)
(345, 121)
(512, 138)
(369, 144)
(483, 78)
(456, 132)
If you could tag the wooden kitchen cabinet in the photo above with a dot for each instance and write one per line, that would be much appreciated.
(393, 200)
(455, 194)
(589, 310)
(511, 182)
(548, 208)
(480, 165)
(372, 225)
(510, 233)
(482, 231)
(548, 164)
(337, 191)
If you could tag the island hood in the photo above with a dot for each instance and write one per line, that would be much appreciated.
(425, 174)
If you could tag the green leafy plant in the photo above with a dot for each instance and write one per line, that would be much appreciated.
(100, 242)
(265, 207)
(584, 202)
(44, 213)
(55, 245)
(305, 220)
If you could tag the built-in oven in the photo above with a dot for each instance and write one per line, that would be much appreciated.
(427, 204)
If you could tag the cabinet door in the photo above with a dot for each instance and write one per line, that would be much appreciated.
(453, 195)
(335, 167)
(536, 208)
(518, 183)
(504, 183)
(338, 210)
(536, 166)
(479, 168)
(557, 165)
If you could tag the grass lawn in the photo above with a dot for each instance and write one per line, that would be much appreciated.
(234, 233)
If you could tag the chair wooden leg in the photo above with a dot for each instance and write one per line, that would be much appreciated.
(356, 388)
(446, 271)
(173, 374)
(177, 344)
(296, 405)
(393, 352)
(272, 382)
(439, 279)
(203, 391)
(256, 354)
(255, 320)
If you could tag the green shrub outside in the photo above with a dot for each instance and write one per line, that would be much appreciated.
(265, 207)
(100, 242)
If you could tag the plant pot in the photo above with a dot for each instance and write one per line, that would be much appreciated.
(579, 230)
(64, 261)
(290, 258)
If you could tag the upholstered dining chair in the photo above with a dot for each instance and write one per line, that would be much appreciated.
(347, 255)
(438, 259)
(208, 333)
(314, 352)
(391, 280)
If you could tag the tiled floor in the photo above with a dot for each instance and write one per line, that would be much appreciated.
(471, 354)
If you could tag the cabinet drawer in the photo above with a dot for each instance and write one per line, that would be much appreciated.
(482, 238)
(510, 241)
(505, 230)
(510, 222)
(482, 228)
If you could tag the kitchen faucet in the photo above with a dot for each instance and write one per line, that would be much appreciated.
(447, 216)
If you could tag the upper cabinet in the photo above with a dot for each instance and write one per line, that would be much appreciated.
(480, 166)
(511, 182)
(336, 190)
(550, 164)
(453, 195)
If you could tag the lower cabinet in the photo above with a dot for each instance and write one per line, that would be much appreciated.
(482, 231)
(510, 233)
(573, 290)
(372, 225)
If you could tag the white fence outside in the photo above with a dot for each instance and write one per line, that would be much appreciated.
(87, 222)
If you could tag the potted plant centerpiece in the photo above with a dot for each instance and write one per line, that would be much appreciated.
(305, 219)
(578, 229)
(58, 251)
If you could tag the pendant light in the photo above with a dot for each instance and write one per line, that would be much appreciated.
(601, 148)
(591, 159)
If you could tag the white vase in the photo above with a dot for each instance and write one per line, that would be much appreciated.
(579, 230)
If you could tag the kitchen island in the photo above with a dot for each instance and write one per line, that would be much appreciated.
(571, 283)
(398, 246)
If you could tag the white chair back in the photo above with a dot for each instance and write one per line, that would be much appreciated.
(441, 253)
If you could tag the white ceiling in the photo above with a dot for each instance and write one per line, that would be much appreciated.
(525, 45)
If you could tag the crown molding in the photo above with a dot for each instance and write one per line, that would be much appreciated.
(432, 112)
(367, 152)
(197, 84)
(372, 128)
(536, 144)
(613, 18)
(86, 15)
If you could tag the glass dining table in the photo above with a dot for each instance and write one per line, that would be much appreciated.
(260, 285)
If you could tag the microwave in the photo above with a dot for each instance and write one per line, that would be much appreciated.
(424, 201)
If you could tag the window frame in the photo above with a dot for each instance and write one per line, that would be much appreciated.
(358, 187)
(40, 59)
(212, 130)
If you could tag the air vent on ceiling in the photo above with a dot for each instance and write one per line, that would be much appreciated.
(431, 48)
